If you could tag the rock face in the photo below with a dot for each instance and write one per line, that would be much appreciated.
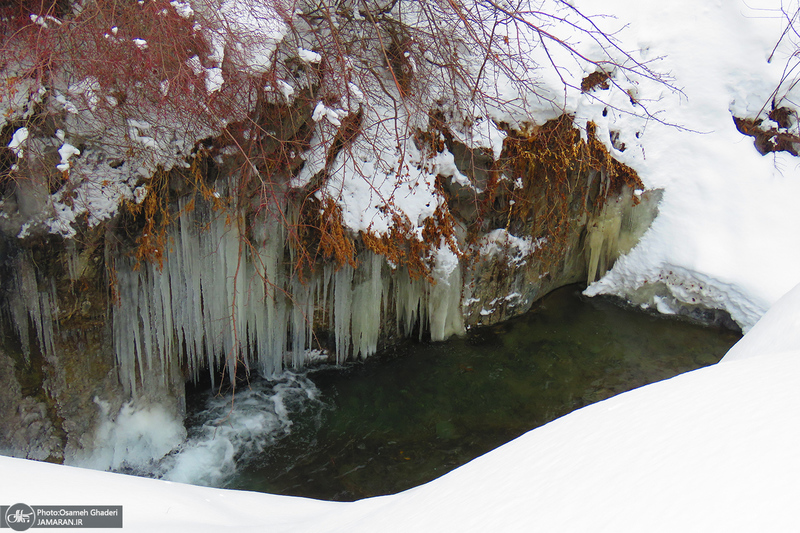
(507, 278)
(57, 357)
(566, 213)
(201, 276)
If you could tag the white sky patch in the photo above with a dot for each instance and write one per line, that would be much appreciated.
(141, 44)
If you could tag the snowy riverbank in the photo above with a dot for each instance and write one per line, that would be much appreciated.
(710, 450)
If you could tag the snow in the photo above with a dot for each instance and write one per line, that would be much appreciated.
(286, 90)
(17, 141)
(484, 133)
(195, 64)
(183, 9)
(515, 250)
(243, 32)
(356, 91)
(66, 152)
(214, 79)
(728, 220)
(377, 178)
(709, 450)
(783, 317)
(308, 56)
(43, 21)
(334, 116)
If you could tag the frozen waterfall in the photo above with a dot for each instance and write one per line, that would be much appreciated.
(221, 300)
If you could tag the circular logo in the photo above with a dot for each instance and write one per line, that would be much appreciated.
(20, 517)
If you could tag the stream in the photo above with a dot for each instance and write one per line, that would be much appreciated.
(419, 410)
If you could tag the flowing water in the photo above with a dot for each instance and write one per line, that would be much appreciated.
(421, 409)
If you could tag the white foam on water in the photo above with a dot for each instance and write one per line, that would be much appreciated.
(236, 428)
(149, 439)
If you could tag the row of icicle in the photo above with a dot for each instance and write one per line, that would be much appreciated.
(222, 301)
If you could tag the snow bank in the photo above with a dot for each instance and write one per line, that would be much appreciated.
(728, 220)
(710, 450)
(777, 331)
(714, 449)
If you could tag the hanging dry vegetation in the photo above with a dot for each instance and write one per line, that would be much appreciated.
(558, 177)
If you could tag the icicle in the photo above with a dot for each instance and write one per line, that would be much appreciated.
(444, 308)
(408, 297)
(602, 239)
(342, 310)
(73, 260)
(366, 318)
(126, 326)
(164, 321)
(220, 303)
(145, 349)
(28, 306)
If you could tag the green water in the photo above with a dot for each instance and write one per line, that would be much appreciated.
(420, 410)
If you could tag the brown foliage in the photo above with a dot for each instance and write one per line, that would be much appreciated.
(403, 247)
(321, 236)
(553, 162)
(154, 211)
(768, 140)
(595, 80)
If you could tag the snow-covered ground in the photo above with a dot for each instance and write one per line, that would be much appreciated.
(710, 450)
(726, 235)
